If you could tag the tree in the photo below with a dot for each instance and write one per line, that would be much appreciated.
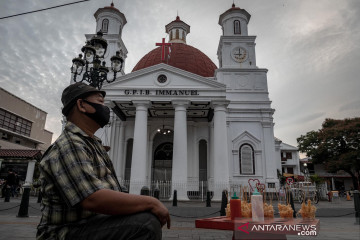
(336, 145)
(282, 179)
(316, 179)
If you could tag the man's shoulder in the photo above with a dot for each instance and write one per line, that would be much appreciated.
(65, 143)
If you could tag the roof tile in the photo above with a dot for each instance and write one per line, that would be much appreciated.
(182, 56)
(6, 153)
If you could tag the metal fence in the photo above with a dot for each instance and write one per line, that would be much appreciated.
(196, 190)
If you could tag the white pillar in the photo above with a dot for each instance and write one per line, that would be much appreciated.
(270, 157)
(180, 153)
(139, 154)
(221, 159)
(30, 172)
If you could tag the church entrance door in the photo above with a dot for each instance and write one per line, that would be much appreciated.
(162, 169)
(162, 164)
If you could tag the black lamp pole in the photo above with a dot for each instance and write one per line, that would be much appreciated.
(96, 71)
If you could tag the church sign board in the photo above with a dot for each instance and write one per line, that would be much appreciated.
(161, 92)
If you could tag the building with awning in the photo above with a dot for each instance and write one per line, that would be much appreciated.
(299, 178)
(17, 160)
(335, 181)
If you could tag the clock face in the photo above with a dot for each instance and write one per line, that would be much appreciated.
(239, 54)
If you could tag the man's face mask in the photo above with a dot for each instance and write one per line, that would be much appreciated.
(101, 114)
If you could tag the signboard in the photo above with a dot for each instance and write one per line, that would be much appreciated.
(161, 92)
(289, 180)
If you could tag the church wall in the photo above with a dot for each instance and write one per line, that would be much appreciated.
(247, 81)
(270, 157)
(260, 136)
(196, 132)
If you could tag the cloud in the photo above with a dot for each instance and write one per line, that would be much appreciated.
(355, 105)
(311, 48)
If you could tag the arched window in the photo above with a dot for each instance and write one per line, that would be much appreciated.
(183, 35)
(105, 25)
(246, 158)
(177, 34)
(171, 35)
(237, 29)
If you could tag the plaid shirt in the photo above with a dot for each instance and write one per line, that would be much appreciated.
(73, 168)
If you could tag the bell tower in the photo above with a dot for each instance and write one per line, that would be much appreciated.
(177, 31)
(110, 21)
(236, 48)
(247, 90)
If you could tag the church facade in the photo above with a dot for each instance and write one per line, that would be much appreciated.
(179, 119)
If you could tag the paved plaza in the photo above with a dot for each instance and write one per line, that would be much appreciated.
(337, 221)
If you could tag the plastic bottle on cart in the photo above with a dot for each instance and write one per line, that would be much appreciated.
(257, 207)
(235, 207)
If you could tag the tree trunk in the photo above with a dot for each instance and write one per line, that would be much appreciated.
(354, 179)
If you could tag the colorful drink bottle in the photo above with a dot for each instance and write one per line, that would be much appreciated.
(235, 207)
(257, 207)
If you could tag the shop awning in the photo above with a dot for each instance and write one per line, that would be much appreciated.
(295, 176)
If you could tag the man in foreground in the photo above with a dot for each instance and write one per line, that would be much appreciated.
(82, 197)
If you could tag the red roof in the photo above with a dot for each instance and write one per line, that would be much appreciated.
(8, 153)
(234, 8)
(177, 19)
(182, 56)
(112, 7)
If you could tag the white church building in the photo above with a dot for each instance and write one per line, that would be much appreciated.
(179, 119)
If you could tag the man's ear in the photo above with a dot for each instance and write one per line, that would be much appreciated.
(80, 106)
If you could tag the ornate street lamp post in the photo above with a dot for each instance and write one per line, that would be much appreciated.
(306, 172)
(96, 71)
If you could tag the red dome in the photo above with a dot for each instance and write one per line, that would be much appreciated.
(182, 56)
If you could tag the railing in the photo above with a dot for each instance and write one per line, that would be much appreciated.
(196, 190)
(164, 189)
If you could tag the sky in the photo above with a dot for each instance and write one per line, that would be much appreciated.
(311, 49)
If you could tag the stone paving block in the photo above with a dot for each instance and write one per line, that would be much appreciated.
(331, 227)
(170, 234)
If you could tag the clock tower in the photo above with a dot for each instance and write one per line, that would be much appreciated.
(249, 114)
(236, 49)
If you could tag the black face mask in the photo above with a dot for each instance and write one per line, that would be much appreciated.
(101, 114)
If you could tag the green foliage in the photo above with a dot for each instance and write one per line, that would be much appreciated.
(316, 179)
(336, 145)
(281, 178)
